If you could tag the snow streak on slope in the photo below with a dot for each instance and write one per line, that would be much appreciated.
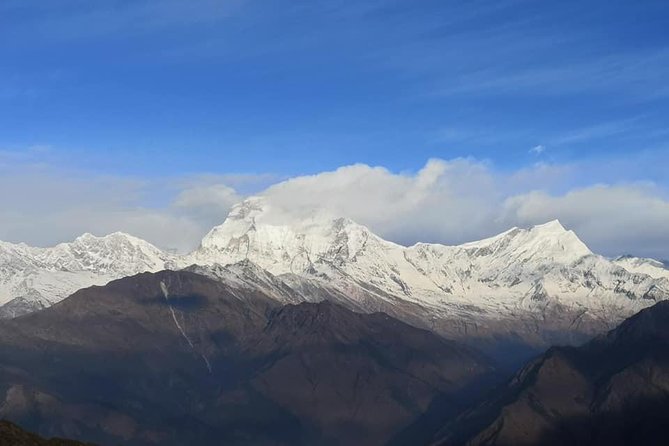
(166, 295)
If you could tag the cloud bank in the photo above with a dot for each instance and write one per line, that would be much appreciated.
(447, 201)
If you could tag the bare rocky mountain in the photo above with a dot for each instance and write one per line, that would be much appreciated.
(175, 358)
(612, 391)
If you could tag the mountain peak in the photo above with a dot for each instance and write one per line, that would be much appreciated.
(548, 240)
(118, 235)
(553, 226)
(653, 268)
(556, 238)
(253, 224)
(248, 209)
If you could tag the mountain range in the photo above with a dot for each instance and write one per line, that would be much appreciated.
(176, 357)
(320, 332)
(534, 286)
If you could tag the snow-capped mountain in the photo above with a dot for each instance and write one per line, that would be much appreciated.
(544, 278)
(33, 278)
(538, 281)
(652, 267)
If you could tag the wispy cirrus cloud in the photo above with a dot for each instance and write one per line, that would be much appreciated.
(74, 19)
(634, 75)
(625, 127)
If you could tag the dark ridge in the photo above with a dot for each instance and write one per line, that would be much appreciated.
(211, 364)
(13, 435)
(613, 390)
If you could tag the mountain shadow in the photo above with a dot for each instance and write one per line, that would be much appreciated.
(176, 358)
(13, 435)
(613, 390)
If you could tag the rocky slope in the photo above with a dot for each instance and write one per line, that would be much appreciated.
(176, 358)
(612, 391)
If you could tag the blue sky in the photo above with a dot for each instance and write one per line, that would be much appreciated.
(302, 86)
(257, 92)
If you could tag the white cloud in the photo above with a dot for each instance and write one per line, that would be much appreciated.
(46, 205)
(629, 218)
(538, 149)
(461, 200)
(208, 203)
(445, 201)
(43, 203)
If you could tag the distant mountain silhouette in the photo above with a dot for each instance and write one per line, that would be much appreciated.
(612, 391)
(175, 358)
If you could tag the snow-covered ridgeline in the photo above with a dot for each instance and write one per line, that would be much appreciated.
(520, 270)
(32, 278)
